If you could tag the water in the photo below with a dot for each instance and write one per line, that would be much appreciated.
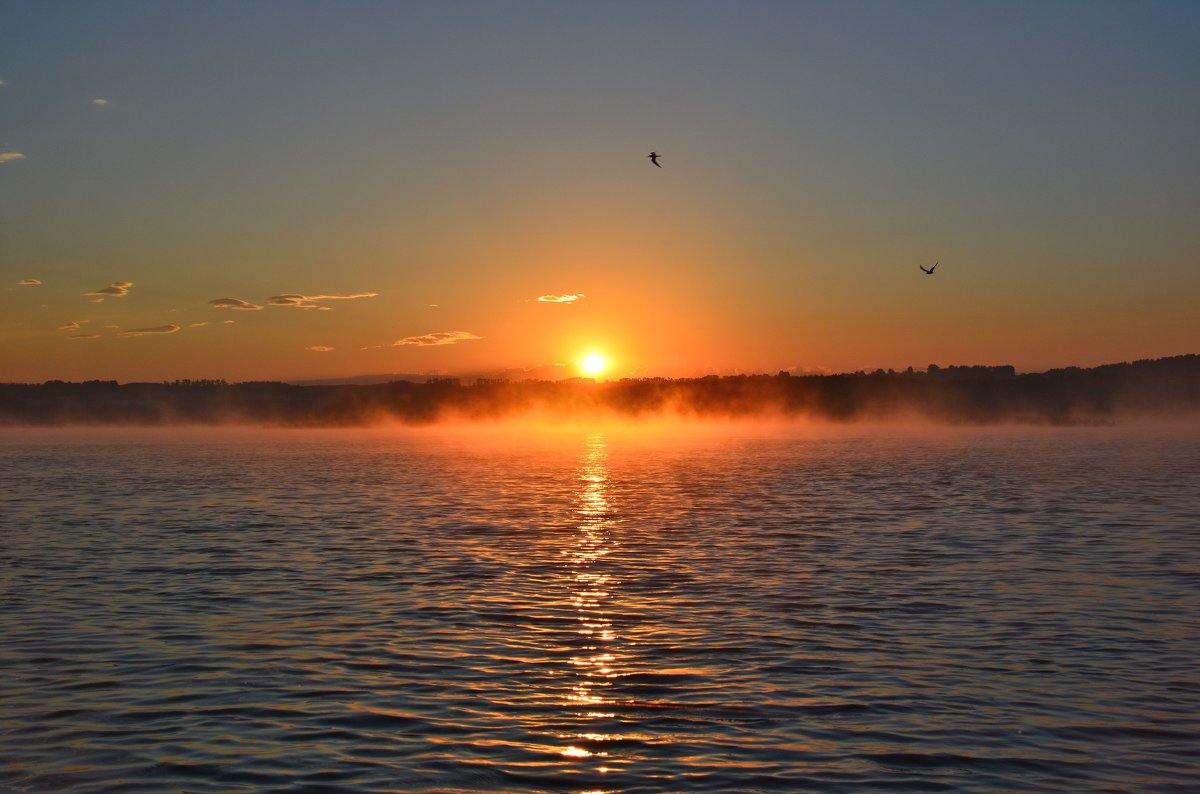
(735, 611)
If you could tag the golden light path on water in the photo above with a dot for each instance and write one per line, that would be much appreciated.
(594, 667)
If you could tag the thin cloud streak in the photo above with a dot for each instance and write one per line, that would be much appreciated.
(158, 329)
(71, 326)
(84, 336)
(28, 282)
(297, 301)
(9, 157)
(234, 303)
(437, 338)
(117, 289)
(568, 298)
(319, 348)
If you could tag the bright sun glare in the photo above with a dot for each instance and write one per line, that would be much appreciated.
(593, 364)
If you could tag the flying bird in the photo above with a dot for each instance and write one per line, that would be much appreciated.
(654, 158)
(929, 270)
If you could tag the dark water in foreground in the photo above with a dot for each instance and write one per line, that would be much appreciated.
(866, 610)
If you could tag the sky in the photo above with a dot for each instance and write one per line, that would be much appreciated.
(288, 190)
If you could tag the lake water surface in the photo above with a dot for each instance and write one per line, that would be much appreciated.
(732, 610)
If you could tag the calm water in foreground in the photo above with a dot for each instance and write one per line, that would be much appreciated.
(738, 611)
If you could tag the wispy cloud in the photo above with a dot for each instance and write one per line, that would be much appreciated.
(310, 301)
(99, 101)
(28, 282)
(319, 348)
(437, 338)
(117, 289)
(234, 303)
(158, 329)
(560, 298)
(197, 325)
(71, 326)
(84, 336)
(8, 157)
(228, 322)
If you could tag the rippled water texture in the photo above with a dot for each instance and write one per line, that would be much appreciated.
(743, 611)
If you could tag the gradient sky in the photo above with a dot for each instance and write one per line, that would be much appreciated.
(459, 160)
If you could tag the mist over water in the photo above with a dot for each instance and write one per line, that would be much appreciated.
(618, 609)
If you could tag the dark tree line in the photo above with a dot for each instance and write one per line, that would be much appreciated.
(1168, 387)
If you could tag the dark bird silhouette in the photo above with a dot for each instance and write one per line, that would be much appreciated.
(654, 158)
(929, 270)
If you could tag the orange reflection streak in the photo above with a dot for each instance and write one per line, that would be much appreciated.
(592, 592)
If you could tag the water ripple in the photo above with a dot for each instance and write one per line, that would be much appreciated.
(977, 611)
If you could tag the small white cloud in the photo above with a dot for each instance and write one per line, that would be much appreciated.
(298, 301)
(437, 338)
(319, 348)
(560, 298)
(8, 157)
(72, 326)
(84, 336)
(158, 329)
(228, 322)
(234, 303)
(100, 102)
(432, 306)
(197, 325)
(117, 289)
(28, 282)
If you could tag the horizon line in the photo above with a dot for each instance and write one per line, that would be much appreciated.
(503, 375)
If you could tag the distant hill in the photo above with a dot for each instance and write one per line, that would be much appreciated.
(363, 380)
(544, 372)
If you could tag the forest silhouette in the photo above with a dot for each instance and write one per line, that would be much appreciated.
(973, 395)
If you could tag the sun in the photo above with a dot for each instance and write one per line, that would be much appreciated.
(593, 364)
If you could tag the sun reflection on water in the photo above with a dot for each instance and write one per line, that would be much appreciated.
(594, 665)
